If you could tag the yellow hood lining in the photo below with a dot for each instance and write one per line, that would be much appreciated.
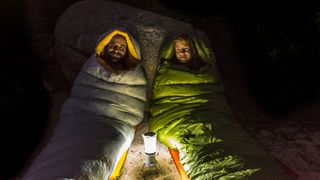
(102, 44)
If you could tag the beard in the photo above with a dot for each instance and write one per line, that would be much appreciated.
(115, 58)
(116, 62)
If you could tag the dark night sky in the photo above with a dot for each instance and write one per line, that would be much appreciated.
(277, 44)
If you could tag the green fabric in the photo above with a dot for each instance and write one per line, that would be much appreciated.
(189, 113)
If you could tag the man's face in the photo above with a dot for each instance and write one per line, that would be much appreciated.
(116, 49)
(183, 51)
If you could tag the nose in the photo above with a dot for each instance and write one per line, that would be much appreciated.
(116, 49)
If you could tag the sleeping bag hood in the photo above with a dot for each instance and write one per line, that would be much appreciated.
(133, 49)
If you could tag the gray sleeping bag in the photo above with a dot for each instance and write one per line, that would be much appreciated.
(97, 123)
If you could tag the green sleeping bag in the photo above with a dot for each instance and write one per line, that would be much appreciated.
(190, 113)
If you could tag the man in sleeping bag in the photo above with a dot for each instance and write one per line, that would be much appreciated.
(97, 122)
(190, 114)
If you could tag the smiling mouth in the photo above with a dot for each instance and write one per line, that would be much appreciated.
(115, 54)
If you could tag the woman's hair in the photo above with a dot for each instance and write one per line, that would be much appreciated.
(196, 62)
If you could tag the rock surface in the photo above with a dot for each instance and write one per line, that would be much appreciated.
(80, 26)
(134, 168)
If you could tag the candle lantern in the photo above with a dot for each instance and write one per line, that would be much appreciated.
(150, 147)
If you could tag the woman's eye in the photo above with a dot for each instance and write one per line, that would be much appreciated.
(183, 50)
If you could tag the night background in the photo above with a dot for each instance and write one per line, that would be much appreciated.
(266, 51)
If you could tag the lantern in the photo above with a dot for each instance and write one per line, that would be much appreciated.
(150, 147)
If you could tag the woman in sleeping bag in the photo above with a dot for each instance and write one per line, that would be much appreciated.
(190, 114)
(97, 122)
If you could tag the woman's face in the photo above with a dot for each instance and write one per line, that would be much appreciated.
(183, 51)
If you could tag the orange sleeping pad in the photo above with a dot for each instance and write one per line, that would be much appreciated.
(176, 160)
